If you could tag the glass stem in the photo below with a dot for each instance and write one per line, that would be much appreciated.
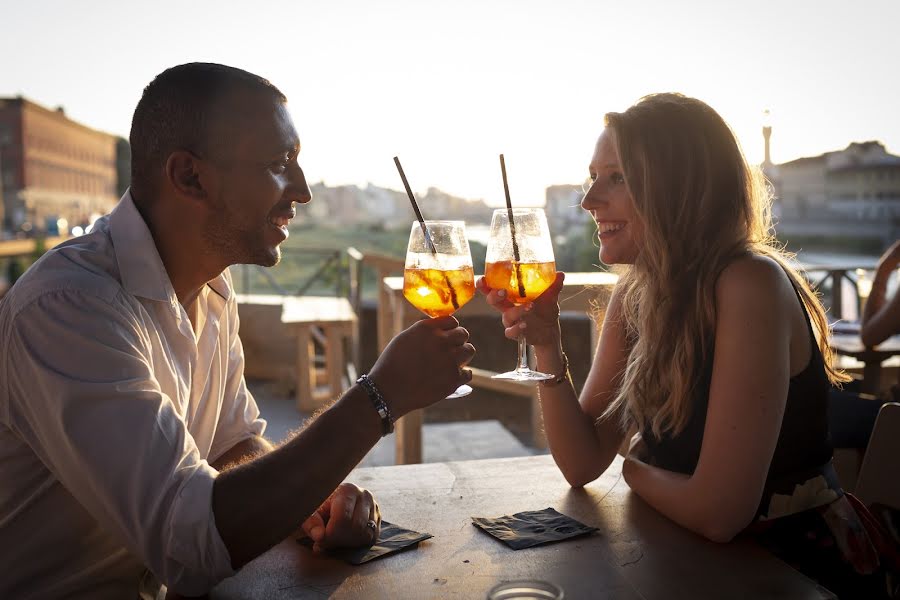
(523, 354)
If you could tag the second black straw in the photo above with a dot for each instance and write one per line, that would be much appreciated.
(512, 230)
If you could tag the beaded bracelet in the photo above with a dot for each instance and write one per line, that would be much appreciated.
(387, 419)
(558, 379)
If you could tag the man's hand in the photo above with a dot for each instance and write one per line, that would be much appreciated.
(423, 364)
(350, 517)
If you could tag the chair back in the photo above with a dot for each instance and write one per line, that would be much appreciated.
(879, 476)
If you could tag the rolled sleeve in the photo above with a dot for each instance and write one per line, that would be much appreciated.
(198, 558)
(81, 393)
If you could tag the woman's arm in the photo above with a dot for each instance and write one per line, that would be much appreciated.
(751, 372)
(582, 450)
(582, 447)
(881, 318)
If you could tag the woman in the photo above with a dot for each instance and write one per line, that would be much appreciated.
(712, 347)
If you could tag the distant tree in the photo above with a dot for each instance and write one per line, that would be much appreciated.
(123, 165)
(583, 249)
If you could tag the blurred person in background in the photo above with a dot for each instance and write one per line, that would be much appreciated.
(881, 315)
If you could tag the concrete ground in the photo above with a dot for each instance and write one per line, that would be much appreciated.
(464, 440)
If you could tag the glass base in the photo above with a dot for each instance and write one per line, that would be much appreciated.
(523, 375)
(463, 390)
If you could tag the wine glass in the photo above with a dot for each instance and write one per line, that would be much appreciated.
(524, 268)
(438, 278)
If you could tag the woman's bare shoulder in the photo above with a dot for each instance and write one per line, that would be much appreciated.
(754, 275)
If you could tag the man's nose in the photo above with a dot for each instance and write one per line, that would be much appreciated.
(299, 189)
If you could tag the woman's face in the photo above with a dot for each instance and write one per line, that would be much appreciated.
(610, 204)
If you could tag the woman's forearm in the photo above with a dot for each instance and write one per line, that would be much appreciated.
(581, 451)
(683, 499)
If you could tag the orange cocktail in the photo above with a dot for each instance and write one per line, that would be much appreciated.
(508, 275)
(436, 292)
(438, 278)
(519, 260)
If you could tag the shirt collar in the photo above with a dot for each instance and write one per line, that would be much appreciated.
(140, 267)
(222, 285)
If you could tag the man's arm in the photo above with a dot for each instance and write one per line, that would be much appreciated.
(258, 503)
(248, 449)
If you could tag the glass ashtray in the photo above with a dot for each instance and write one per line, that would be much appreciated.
(526, 590)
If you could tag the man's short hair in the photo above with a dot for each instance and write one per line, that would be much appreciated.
(173, 114)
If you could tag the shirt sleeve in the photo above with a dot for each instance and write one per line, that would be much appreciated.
(82, 394)
(239, 417)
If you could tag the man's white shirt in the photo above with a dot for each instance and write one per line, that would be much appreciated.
(111, 406)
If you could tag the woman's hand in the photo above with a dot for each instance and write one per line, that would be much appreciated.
(538, 321)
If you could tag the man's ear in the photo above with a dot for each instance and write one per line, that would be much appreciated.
(183, 172)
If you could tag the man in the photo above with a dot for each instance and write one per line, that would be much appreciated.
(122, 396)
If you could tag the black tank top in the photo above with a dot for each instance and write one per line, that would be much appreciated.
(803, 448)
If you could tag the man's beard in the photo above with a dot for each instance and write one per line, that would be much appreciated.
(239, 245)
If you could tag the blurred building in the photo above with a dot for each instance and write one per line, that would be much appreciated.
(850, 193)
(55, 173)
(564, 213)
(374, 205)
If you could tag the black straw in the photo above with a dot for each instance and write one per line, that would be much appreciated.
(415, 205)
(512, 230)
(425, 232)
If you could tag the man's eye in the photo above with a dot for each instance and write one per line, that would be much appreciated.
(279, 166)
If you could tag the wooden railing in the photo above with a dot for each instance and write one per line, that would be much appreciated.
(330, 265)
(829, 281)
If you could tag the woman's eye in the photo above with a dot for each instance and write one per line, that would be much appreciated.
(616, 178)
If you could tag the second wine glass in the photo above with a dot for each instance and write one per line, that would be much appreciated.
(523, 266)
(438, 277)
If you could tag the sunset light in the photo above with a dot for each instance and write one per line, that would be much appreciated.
(448, 86)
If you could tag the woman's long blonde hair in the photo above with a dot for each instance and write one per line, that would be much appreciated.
(701, 206)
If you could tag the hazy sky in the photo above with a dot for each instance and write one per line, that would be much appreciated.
(449, 85)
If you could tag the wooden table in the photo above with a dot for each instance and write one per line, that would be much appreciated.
(581, 291)
(330, 319)
(846, 344)
(636, 554)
